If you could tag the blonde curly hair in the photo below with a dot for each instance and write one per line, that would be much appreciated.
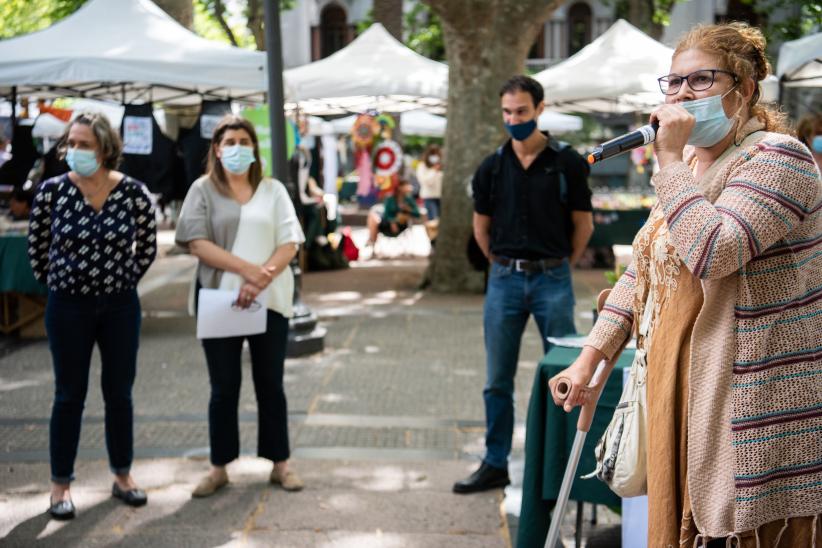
(740, 49)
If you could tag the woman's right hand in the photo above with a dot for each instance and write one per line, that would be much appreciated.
(578, 376)
(259, 275)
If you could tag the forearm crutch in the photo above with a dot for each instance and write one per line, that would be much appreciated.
(586, 417)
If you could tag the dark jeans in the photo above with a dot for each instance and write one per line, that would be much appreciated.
(223, 357)
(432, 206)
(74, 324)
(511, 298)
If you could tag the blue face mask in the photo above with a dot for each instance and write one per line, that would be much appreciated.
(82, 162)
(712, 125)
(816, 144)
(522, 131)
(237, 158)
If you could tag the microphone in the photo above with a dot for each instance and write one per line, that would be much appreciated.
(624, 143)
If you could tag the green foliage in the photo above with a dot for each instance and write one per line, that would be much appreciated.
(421, 28)
(806, 22)
(415, 144)
(18, 17)
(613, 275)
(423, 32)
(207, 26)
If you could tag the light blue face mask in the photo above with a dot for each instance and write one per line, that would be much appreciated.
(712, 124)
(82, 162)
(816, 144)
(237, 158)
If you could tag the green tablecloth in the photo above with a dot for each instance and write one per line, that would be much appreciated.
(15, 270)
(617, 226)
(549, 435)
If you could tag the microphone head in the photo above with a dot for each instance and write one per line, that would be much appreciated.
(595, 155)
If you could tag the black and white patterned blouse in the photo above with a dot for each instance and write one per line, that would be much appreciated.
(76, 250)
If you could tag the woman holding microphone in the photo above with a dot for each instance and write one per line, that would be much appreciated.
(724, 295)
(244, 230)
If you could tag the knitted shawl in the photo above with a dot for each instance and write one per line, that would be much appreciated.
(751, 230)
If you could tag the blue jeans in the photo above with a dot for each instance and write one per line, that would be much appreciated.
(511, 297)
(432, 206)
(223, 357)
(74, 324)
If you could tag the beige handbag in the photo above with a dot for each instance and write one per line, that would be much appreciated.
(621, 453)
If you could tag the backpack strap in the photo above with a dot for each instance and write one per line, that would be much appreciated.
(559, 147)
(495, 172)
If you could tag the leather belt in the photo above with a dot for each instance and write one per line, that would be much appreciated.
(523, 265)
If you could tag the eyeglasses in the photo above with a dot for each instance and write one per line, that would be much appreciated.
(698, 80)
(253, 306)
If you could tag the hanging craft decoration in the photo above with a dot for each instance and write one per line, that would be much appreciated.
(364, 130)
(387, 158)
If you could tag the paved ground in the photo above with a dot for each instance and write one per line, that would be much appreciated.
(381, 423)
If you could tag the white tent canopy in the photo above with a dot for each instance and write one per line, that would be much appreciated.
(413, 122)
(421, 122)
(128, 51)
(800, 62)
(615, 73)
(556, 122)
(374, 71)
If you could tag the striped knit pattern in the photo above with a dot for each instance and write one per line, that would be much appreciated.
(757, 243)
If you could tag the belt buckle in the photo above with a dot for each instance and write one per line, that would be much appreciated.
(518, 265)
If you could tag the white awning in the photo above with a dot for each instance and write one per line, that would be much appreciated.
(800, 62)
(615, 73)
(128, 51)
(375, 71)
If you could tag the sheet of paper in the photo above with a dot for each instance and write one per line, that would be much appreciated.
(216, 317)
(579, 342)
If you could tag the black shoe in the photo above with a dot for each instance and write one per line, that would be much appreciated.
(485, 478)
(62, 510)
(132, 497)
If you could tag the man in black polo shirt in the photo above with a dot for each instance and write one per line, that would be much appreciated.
(532, 219)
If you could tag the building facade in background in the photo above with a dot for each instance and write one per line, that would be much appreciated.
(315, 29)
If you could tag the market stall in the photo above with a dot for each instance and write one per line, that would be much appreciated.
(374, 72)
(616, 73)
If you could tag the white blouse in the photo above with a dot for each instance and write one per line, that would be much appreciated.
(267, 221)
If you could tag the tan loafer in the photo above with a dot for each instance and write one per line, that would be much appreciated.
(208, 486)
(290, 482)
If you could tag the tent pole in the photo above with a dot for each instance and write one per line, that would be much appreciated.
(13, 107)
(304, 336)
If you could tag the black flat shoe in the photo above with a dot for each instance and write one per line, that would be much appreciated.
(484, 479)
(62, 510)
(132, 497)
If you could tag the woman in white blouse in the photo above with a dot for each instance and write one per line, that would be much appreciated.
(244, 231)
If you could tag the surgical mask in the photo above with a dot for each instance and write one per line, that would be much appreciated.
(712, 124)
(816, 144)
(522, 131)
(82, 162)
(237, 158)
(433, 159)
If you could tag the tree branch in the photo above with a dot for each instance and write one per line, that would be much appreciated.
(219, 11)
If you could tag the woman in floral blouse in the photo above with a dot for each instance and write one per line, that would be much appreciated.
(92, 236)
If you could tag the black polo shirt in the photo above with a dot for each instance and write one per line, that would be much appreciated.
(529, 218)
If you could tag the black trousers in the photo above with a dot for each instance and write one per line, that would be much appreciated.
(223, 357)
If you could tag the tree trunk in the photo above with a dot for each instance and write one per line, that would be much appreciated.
(486, 42)
(181, 10)
(389, 13)
(255, 22)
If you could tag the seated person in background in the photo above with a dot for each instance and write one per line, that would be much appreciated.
(398, 210)
(20, 205)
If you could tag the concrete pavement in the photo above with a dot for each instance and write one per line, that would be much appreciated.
(381, 424)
